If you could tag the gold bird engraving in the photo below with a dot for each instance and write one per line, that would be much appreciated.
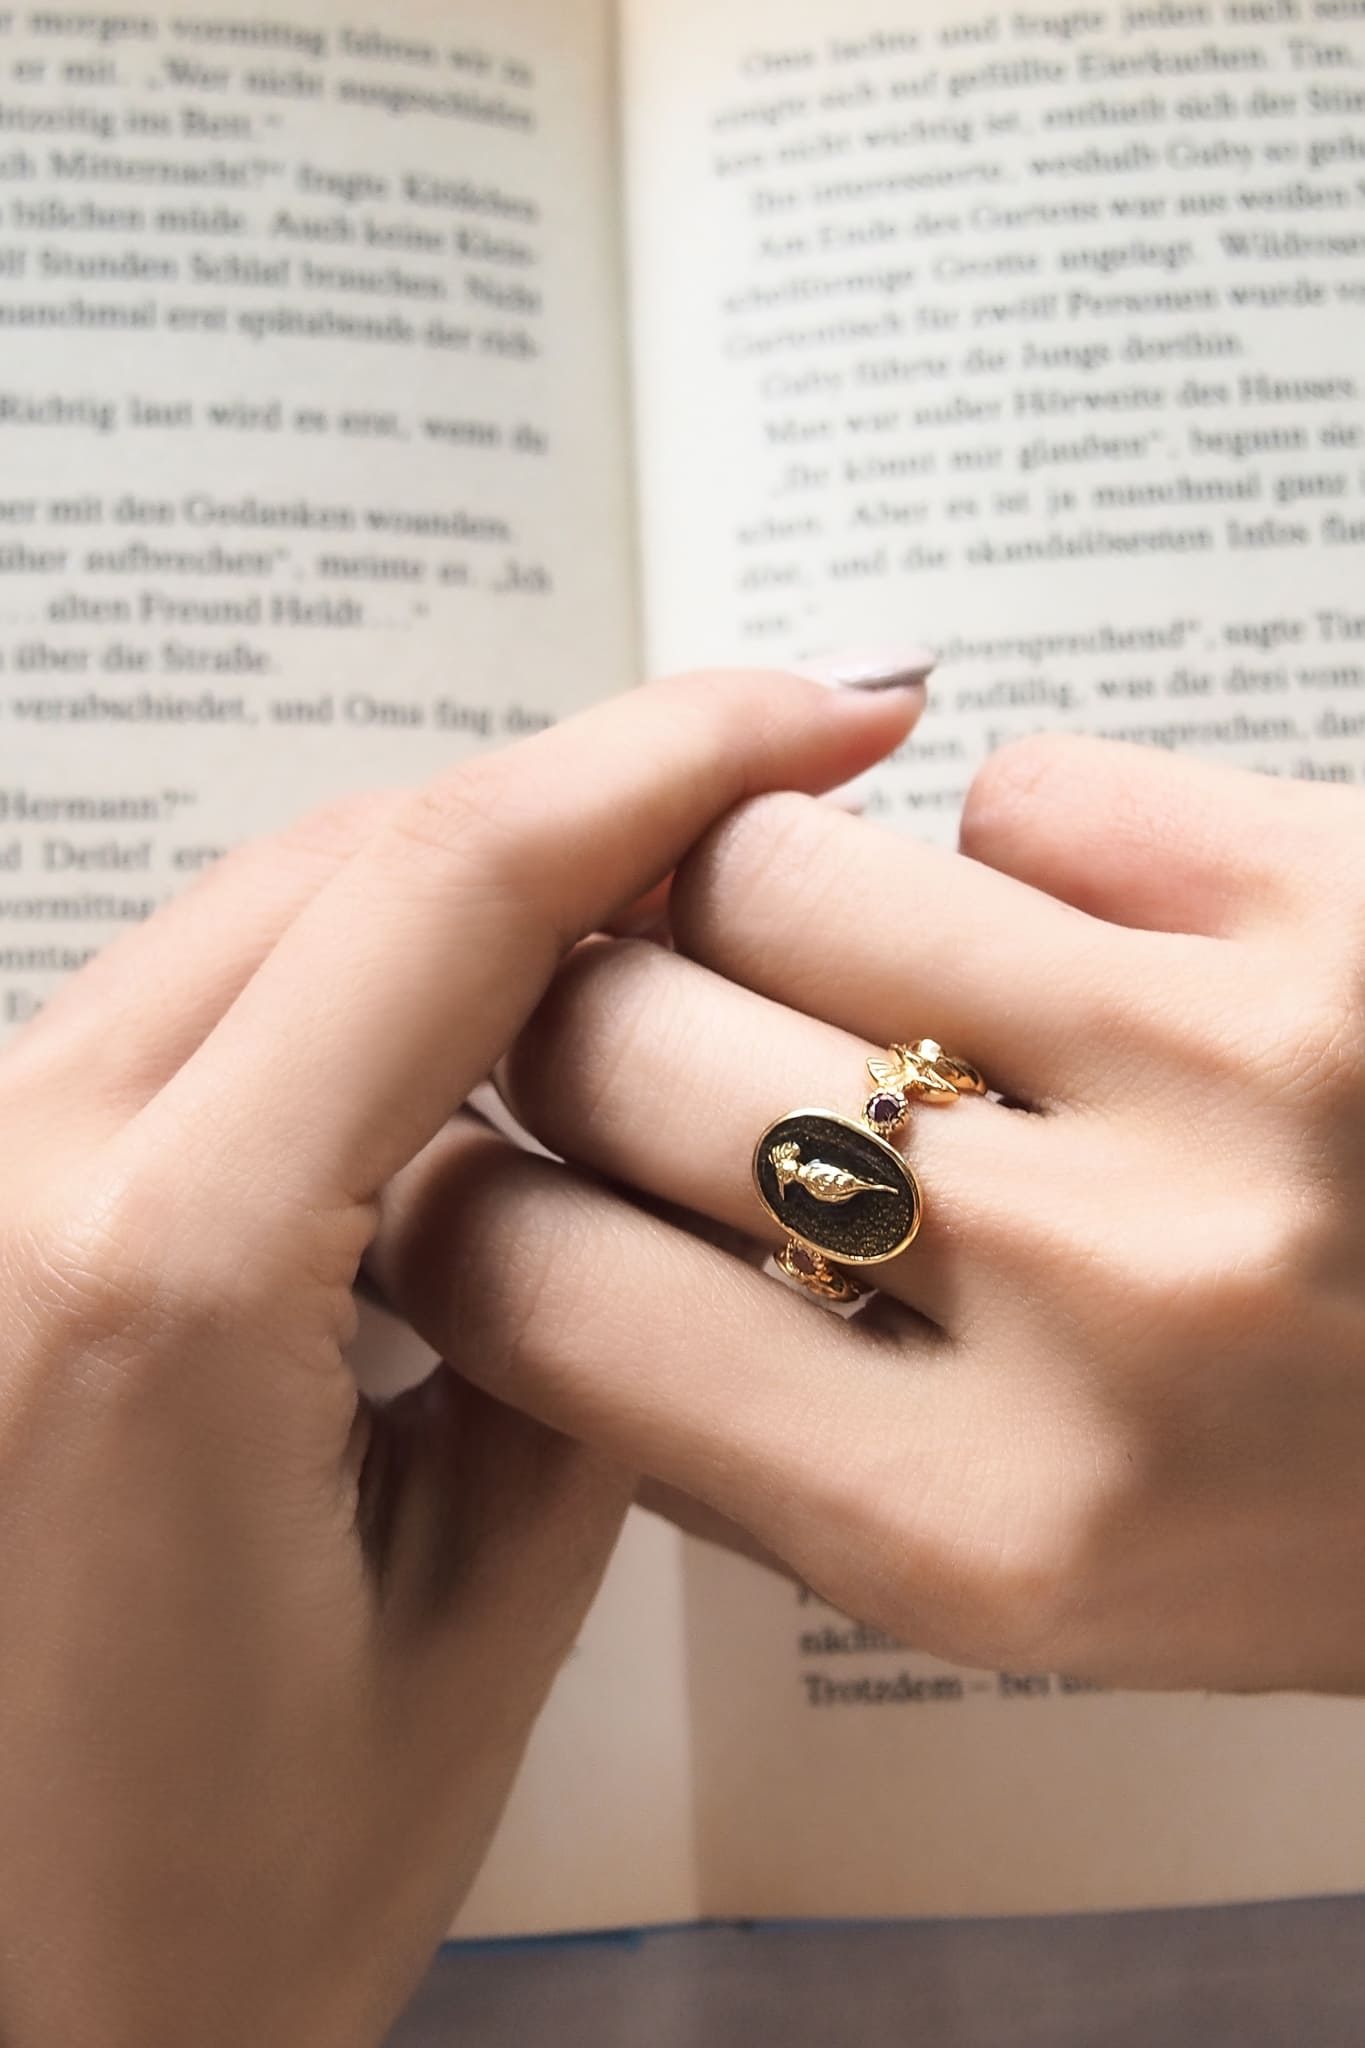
(825, 1183)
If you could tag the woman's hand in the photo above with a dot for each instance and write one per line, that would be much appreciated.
(270, 1656)
(1108, 1415)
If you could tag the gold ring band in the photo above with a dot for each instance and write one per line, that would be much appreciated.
(839, 1189)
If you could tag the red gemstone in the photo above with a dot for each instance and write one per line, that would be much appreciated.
(885, 1109)
(804, 1261)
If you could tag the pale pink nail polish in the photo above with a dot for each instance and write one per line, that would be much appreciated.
(871, 669)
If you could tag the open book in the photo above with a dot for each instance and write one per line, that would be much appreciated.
(381, 382)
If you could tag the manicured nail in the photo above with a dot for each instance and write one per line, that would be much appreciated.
(872, 669)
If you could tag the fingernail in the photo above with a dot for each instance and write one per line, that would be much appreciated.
(871, 669)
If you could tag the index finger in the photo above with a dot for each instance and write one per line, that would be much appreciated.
(400, 985)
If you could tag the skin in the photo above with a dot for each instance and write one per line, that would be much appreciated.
(272, 1654)
(1107, 1414)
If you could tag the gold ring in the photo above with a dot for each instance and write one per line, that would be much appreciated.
(841, 1192)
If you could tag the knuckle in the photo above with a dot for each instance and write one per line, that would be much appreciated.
(784, 829)
(313, 847)
(723, 706)
(472, 821)
(1032, 1579)
(331, 832)
(1016, 1606)
(528, 1273)
(765, 832)
(1169, 1036)
(989, 1568)
(601, 1012)
(768, 839)
(1211, 1284)
(1219, 1304)
(1316, 1054)
(1174, 1009)
(108, 1279)
(1003, 1597)
(304, 855)
(1259, 1026)
(93, 1296)
(1004, 796)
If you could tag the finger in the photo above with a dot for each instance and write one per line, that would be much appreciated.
(397, 988)
(662, 1075)
(1143, 838)
(677, 1361)
(649, 917)
(896, 940)
(116, 1031)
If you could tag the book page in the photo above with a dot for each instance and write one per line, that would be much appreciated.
(314, 475)
(600, 1832)
(1035, 335)
(839, 1774)
(1031, 334)
(314, 469)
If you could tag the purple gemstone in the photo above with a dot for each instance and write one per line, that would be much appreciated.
(885, 1109)
(804, 1261)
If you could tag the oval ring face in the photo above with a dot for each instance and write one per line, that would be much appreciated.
(836, 1186)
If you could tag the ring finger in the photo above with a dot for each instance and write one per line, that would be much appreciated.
(677, 1361)
(658, 1073)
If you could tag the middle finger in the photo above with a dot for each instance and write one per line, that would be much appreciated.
(890, 937)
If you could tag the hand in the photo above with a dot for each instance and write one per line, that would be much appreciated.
(271, 1656)
(1108, 1415)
